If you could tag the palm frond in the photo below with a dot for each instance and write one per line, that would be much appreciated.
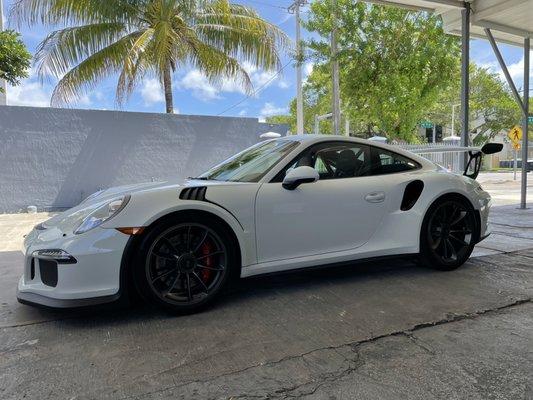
(241, 33)
(135, 64)
(89, 72)
(217, 65)
(73, 12)
(65, 48)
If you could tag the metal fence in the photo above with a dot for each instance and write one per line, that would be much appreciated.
(447, 154)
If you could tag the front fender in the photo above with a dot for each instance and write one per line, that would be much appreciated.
(143, 209)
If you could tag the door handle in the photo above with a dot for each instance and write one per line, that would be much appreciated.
(375, 197)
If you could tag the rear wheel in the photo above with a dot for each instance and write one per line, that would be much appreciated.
(182, 265)
(448, 234)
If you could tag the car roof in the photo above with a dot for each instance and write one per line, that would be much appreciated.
(309, 139)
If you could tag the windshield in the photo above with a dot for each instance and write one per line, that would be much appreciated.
(251, 164)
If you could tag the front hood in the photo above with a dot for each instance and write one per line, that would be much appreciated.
(69, 220)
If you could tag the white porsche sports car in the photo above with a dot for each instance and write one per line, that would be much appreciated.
(288, 203)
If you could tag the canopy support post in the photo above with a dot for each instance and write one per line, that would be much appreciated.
(523, 103)
(465, 78)
(525, 123)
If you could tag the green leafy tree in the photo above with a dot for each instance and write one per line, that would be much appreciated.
(492, 106)
(393, 65)
(279, 119)
(133, 38)
(317, 101)
(15, 59)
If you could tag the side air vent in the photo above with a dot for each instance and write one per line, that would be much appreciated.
(193, 193)
(412, 192)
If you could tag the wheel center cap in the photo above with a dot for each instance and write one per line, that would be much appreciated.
(187, 262)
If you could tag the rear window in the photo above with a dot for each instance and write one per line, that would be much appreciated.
(388, 162)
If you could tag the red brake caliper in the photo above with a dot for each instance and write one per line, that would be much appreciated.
(206, 249)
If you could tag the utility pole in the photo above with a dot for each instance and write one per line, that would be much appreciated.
(336, 103)
(295, 8)
(3, 86)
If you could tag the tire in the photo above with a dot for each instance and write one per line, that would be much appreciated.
(449, 233)
(182, 264)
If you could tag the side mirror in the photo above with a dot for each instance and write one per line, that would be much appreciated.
(295, 177)
(491, 148)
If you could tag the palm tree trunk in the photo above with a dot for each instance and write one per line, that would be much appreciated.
(167, 84)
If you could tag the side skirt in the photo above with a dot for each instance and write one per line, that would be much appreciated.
(259, 269)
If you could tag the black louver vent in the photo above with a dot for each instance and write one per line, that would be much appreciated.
(193, 193)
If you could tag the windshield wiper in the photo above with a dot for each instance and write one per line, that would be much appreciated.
(200, 178)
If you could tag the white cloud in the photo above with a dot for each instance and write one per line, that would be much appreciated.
(516, 70)
(32, 92)
(307, 70)
(270, 109)
(196, 82)
(200, 86)
(85, 100)
(261, 77)
(151, 92)
(28, 93)
(243, 112)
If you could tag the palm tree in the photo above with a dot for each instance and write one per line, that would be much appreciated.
(132, 38)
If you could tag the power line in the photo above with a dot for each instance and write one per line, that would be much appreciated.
(256, 91)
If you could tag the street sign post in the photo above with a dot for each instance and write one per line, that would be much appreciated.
(515, 134)
(515, 162)
(426, 124)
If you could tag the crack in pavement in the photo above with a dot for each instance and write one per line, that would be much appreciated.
(451, 318)
(511, 226)
(510, 235)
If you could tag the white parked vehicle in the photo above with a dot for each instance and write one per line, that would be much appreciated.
(283, 204)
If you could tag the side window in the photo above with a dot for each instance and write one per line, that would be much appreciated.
(388, 162)
(334, 160)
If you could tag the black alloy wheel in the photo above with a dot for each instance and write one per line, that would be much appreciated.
(185, 265)
(448, 234)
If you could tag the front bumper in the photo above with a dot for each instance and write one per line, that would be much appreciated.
(33, 299)
(94, 277)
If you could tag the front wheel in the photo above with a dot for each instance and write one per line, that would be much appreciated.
(182, 265)
(448, 234)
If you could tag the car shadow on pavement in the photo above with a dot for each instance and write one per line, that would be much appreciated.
(285, 285)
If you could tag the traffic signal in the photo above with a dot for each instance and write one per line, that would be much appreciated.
(438, 134)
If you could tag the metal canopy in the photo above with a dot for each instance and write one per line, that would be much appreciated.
(510, 20)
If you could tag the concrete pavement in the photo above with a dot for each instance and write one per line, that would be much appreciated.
(387, 330)
(381, 330)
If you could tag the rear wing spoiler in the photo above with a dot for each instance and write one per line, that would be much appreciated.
(475, 155)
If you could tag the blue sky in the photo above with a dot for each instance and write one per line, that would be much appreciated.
(194, 95)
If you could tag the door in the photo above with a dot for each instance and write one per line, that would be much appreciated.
(340, 211)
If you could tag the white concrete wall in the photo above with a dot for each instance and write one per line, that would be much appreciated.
(53, 158)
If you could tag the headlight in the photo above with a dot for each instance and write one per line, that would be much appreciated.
(92, 196)
(102, 214)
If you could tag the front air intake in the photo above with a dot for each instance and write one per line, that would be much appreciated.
(193, 193)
